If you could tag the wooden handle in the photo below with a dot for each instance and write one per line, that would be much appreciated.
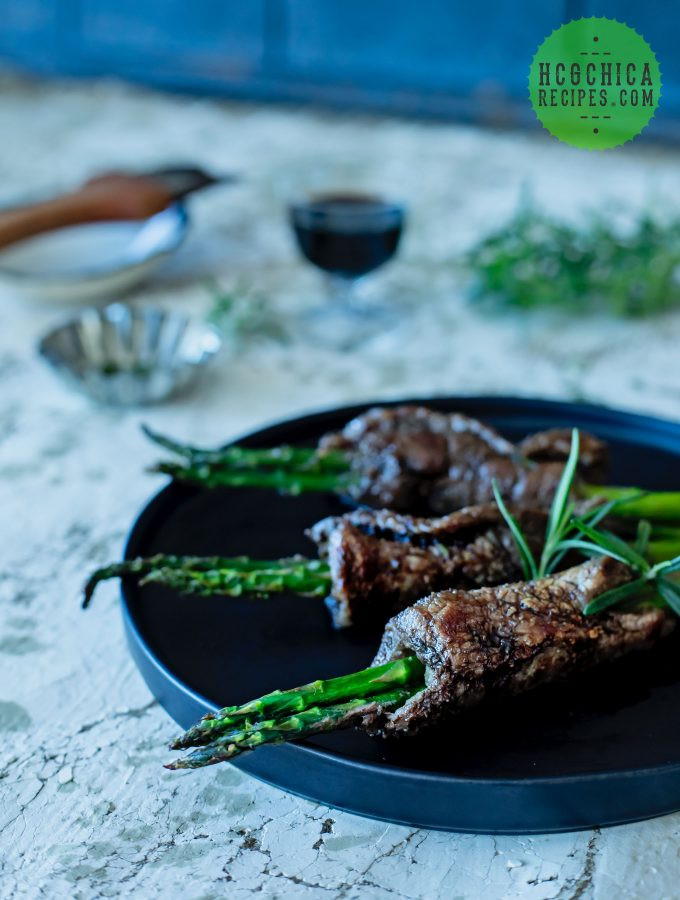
(106, 198)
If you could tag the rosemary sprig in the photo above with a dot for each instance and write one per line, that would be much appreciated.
(243, 315)
(562, 508)
(533, 261)
(559, 525)
(606, 543)
(565, 532)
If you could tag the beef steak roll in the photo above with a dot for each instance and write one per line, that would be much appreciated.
(511, 638)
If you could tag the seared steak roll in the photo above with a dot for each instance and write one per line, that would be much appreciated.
(413, 458)
(511, 638)
(380, 561)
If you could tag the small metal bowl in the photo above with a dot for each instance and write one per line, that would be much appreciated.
(123, 356)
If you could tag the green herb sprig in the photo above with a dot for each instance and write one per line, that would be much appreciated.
(565, 532)
(604, 542)
(242, 315)
(560, 520)
(533, 261)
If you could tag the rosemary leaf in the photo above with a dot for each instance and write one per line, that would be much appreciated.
(644, 533)
(588, 548)
(596, 515)
(670, 565)
(615, 596)
(614, 546)
(670, 592)
(559, 513)
(528, 562)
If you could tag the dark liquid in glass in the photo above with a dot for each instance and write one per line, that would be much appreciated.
(347, 235)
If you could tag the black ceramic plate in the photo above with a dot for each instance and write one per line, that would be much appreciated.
(600, 750)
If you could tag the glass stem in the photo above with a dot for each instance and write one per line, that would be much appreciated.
(342, 292)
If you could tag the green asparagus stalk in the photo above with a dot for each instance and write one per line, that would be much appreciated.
(297, 579)
(657, 506)
(300, 469)
(285, 456)
(666, 533)
(335, 703)
(314, 720)
(287, 481)
(282, 704)
(232, 576)
(661, 550)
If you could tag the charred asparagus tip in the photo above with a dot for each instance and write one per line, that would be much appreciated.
(221, 575)
(114, 570)
(399, 673)
(234, 457)
(315, 720)
(168, 443)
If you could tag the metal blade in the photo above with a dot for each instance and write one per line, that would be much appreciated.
(182, 180)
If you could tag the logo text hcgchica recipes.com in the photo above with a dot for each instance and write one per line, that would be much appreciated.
(590, 84)
(594, 83)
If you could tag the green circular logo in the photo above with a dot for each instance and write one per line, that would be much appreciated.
(594, 83)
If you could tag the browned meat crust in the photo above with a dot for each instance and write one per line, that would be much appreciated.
(554, 444)
(511, 638)
(381, 561)
(415, 459)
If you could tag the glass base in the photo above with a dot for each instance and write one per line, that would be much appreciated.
(351, 316)
(344, 327)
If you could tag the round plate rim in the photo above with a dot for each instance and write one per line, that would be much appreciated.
(595, 411)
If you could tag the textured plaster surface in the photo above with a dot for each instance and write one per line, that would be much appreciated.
(85, 808)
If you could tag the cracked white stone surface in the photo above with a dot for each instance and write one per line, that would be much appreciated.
(85, 808)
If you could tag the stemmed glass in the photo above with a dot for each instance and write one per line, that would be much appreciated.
(347, 236)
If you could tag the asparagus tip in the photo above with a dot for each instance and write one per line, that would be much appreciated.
(200, 761)
(113, 570)
(161, 468)
(157, 438)
(90, 587)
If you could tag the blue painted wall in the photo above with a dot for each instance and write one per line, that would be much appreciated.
(427, 57)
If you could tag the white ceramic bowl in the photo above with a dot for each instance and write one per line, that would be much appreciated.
(93, 261)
